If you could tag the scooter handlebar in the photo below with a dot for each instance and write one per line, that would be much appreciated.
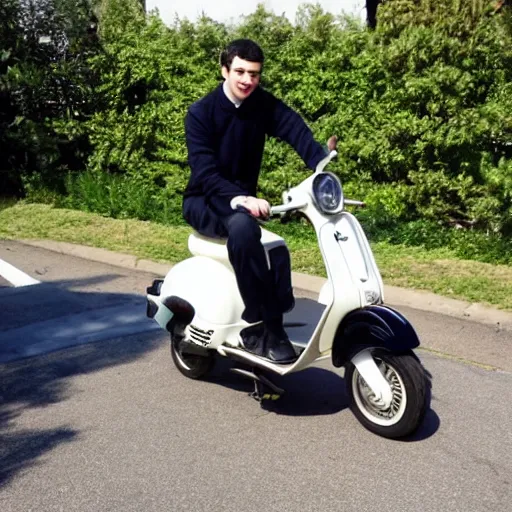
(353, 202)
(284, 208)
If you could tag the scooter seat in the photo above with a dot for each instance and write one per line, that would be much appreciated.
(216, 248)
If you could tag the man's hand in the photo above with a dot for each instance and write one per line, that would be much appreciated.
(257, 207)
(331, 143)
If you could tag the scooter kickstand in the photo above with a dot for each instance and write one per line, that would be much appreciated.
(261, 382)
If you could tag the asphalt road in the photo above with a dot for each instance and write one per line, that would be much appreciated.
(111, 425)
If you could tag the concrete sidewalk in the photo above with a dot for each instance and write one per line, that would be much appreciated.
(395, 296)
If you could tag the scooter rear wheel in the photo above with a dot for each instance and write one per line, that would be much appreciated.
(190, 365)
(411, 395)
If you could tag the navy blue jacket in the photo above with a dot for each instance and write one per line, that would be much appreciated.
(225, 143)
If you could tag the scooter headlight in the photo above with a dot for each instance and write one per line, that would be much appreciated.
(327, 193)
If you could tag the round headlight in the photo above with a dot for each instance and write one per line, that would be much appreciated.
(328, 193)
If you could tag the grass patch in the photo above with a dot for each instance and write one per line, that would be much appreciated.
(6, 202)
(141, 238)
(438, 270)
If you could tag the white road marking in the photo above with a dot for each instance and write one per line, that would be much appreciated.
(15, 276)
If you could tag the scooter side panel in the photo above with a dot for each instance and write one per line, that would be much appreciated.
(358, 254)
(352, 271)
(345, 296)
(209, 286)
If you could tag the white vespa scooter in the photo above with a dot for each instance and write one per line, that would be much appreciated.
(198, 302)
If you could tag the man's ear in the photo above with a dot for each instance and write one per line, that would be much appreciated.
(225, 72)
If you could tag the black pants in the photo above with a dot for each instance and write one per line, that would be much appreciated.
(267, 292)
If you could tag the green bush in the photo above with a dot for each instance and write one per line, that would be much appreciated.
(45, 82)
(422, 107)
(122, 197)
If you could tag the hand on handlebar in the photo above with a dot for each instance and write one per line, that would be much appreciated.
(259, 208)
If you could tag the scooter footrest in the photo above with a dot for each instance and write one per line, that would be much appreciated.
(264, 389)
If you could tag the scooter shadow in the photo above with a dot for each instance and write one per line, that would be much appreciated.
(427, 429)
(310, 392)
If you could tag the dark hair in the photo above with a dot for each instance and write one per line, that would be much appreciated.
(244, 49)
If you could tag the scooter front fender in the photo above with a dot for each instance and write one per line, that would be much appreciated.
(372, 326)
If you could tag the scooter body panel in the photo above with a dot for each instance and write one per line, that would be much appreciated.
(207, 281)
(197, 280)
(353, 277)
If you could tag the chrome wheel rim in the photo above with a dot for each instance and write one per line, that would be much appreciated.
(370, 406)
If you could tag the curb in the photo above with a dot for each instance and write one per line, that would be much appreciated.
(395, 296)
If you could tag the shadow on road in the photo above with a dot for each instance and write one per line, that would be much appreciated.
(44, 380)
(310, 392)
(23, 448)
(429, 427)
(20, 307)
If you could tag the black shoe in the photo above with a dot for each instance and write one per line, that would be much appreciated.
(278, 347)
(268, 341)
(252, 339)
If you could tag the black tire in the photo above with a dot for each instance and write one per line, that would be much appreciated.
(411, 395)
(190, 365)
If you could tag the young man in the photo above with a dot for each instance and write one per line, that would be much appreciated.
(225, 134)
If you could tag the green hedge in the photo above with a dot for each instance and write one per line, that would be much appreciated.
(422, 107)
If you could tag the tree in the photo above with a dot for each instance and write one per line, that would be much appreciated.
(10, 40)
(371, 12)
(476, 6)
(45, 82)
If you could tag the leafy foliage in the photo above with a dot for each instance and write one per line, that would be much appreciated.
(46, 85)
(422, 106)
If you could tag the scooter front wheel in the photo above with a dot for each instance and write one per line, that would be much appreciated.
(411, 395)
(191, 365)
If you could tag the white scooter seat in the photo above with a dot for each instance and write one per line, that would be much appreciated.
(216, 248)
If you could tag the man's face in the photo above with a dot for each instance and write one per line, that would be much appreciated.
(242, 78)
